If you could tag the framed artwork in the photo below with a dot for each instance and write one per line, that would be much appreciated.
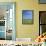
(42, 1)
(27, 16)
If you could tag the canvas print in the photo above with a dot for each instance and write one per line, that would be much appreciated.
(27, 17)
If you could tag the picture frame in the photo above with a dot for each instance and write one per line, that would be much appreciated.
(27, 17)
(42, 1)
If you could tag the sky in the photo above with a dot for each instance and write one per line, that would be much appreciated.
(27, 14)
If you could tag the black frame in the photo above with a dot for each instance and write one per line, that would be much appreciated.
(39, 21)
(32, 17)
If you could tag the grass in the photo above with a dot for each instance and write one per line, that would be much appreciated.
(27, 21)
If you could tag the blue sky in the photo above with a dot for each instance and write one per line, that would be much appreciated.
(27, 14)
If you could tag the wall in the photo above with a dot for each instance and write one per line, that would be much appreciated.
(28, 31)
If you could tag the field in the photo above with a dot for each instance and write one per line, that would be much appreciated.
(27, 21)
